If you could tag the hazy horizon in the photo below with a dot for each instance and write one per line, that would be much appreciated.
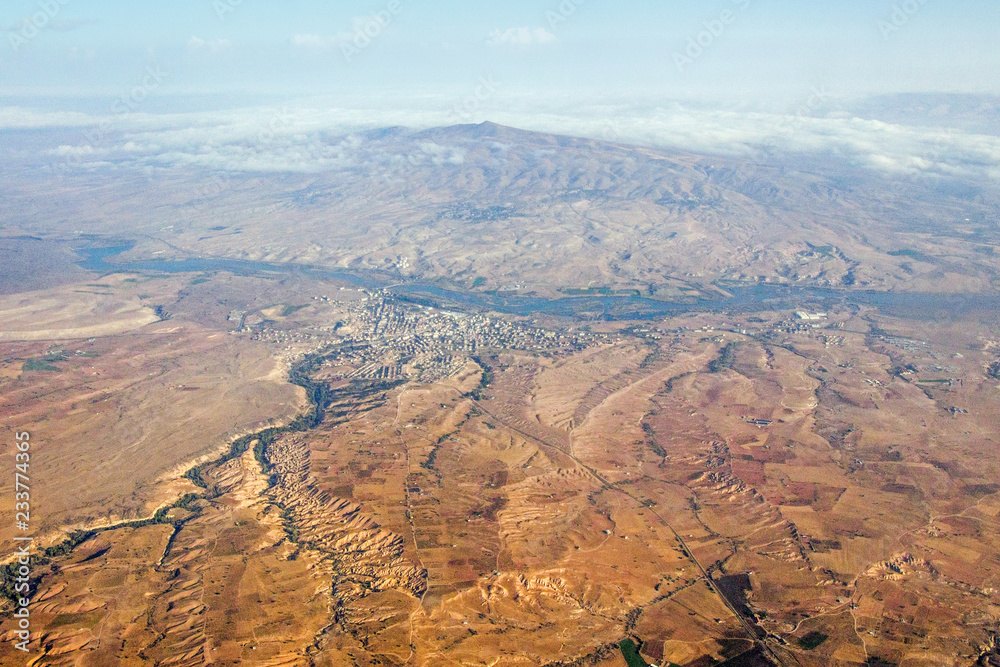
(728, 76)
(740, 51)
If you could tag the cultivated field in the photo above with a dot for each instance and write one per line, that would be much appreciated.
(699, 487)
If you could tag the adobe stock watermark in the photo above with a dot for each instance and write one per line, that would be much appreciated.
(225, 7)
(902, 14)
(33, 25)
(611, 131)
(465, 111)
(714, 29)
(23, 541)
(562, 13)
(370, 29)
(279, 120)
(152, 78)
(818, 95)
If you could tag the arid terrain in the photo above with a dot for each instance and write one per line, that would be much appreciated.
(488, 207)
(247, 465)
(485, 492)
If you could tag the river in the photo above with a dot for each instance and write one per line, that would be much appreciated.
(744, 299)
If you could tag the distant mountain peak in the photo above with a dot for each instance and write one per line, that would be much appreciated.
(491, 130)
(484, 129)
(488, 126)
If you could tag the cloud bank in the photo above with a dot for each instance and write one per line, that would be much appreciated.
(316, 137)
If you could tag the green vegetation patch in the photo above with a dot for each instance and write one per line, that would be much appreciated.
(74, 540)
(822, 249)
(631, 654)
(39, 365)
(84, 620)
(479, 282)
(588, 291)
(913, 254)
(726, 359)
(484, 380)
(812, 640)
(601, 291)
(289, 310)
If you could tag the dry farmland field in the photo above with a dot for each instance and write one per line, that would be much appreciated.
(285, 471)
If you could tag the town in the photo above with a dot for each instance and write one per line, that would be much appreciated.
(384, 338)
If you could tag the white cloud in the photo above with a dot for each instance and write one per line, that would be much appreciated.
(199, 45)
(316, 136)
(311, 41)
(19, 118)
(74, 151)
(443, 155)
(523, 36)
(363, 30)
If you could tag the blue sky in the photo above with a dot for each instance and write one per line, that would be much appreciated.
(765, 50)
(266, 85)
